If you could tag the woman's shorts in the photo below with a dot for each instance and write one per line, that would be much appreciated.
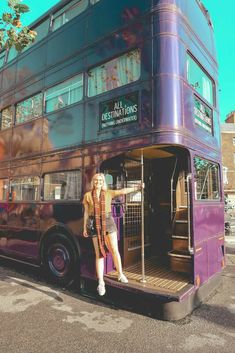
(110, 225)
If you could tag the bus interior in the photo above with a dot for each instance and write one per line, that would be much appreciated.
(166, 265)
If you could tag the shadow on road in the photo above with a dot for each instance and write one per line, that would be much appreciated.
(35, 279)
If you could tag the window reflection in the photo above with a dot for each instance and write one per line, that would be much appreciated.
(115, 73)
(4, 189)
(63, 185)
(6, 118)
(29, 109)
(25, 189)
(199, 80)
(206, 179)
(68, 13)
(65, 93)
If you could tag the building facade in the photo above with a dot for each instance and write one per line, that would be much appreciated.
(228, 155)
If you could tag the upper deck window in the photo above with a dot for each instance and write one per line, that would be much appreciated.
(68, 12)
(29, 109)
(6, 118)
(115, 73)
(199, 80)
(12, 54)
(65, 93)
(206, 179)
(2, 58)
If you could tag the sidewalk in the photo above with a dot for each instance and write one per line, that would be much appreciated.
(230, 244)
(230, 239)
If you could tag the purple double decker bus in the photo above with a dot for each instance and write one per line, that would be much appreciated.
(130, 89)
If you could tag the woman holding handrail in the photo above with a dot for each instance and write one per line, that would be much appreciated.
(99, 224)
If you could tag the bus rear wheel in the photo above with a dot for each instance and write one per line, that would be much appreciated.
(60, 259)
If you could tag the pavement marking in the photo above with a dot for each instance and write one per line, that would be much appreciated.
(22, 294)
(18, 295)
(231, 307)
(196, 342)
(101, 322)
(63, 307)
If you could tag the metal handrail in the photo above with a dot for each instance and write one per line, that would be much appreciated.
(172, 190)
(188, 178)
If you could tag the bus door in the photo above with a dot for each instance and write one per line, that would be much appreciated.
(132, 217)
(166, 208)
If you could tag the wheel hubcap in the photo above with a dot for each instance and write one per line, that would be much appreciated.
(58, 260)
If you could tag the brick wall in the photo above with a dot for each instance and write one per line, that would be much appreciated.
(228, 153)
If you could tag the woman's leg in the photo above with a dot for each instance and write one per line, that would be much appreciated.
(99, 263)
(112, 245)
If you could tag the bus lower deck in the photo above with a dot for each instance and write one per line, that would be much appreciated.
(155, 227)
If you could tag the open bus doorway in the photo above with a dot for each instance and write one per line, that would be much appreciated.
(165, 203)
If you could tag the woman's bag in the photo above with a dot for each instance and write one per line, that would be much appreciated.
(90, 226)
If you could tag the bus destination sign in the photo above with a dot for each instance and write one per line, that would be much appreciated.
(203, 116)
(122, 110)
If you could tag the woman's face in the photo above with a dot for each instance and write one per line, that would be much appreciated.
(98, 182)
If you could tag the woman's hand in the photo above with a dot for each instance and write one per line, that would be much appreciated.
(139, 187)
(85, 234)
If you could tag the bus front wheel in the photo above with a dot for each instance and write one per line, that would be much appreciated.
(60, 259)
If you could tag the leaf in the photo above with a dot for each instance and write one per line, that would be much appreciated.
(21, 8)
(7, 17)
(10, 23)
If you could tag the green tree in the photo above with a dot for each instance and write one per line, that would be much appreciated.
(12, 32)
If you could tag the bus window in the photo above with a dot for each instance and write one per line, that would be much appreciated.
(29, 109)
(207, 179)
(68, 12)
(115, 73)
(6, 118)
(63, 185)
(109, 180)
(2, 58)
(12, 54)
(4, 189)
(63, 94)
(199, 80)
(25, 189)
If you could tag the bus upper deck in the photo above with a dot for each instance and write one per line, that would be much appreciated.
(114, 80)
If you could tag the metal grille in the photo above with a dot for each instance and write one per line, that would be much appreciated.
(132, 216)
(132, 220)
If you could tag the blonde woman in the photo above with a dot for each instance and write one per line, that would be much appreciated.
(97, 207)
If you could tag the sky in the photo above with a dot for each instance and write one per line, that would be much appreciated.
(222, 16)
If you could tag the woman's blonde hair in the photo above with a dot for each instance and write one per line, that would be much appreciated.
(104, 187)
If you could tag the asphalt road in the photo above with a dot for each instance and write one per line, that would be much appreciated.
(40, 318)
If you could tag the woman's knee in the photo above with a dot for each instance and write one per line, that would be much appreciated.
(96, 248)
(113, 245)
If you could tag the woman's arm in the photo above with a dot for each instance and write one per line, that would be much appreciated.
(85, 220)
(125, 191)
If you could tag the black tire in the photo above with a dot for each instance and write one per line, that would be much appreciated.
(60, 259)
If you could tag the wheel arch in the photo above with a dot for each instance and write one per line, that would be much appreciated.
(58, 229)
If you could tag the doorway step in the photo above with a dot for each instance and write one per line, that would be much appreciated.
(158, 277)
